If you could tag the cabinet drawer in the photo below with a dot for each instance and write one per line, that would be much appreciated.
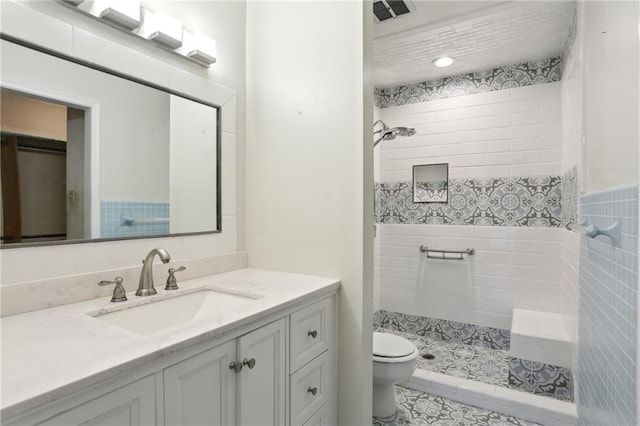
(310, 388)
(311, 332)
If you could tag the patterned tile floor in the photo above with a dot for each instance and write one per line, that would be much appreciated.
(417, 408)
(484, 365)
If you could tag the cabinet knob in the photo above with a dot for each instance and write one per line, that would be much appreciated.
(235, 366)
(249, 362)
(312, 333)
(312, 390)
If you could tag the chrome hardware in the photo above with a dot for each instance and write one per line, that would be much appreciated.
(236, 366)
(172, 283)
(312, 333)
(119, 294)
(443, 254)
(313, 391)
(145, 287)
(592, 231)
(249, 362)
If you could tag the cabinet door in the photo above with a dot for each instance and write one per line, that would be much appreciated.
(261, 384)
(201, 390)
(130, 405)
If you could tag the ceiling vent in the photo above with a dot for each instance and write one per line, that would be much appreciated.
(388, 9)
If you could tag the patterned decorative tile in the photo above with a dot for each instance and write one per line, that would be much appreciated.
(532, 201)
(458, 359)
(569, 196)
(487, 337)
(541, 379)
(417, 408)
(569, 44)
(518, 75)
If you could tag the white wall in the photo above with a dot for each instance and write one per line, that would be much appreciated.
(60, 28)
(307, 168)
(611, 96)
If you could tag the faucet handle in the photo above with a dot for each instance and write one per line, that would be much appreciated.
(119, 295)
(172, 283)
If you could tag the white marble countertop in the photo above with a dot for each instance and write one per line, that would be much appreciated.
(50, 353)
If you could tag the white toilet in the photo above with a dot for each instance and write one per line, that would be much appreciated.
(394, 361)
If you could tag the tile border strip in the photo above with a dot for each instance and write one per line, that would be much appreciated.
(517, 75)
(471, 334)
(524, 201)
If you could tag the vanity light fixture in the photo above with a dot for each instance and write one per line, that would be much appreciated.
(161, 29)
(198, 48)
(443, 62)
(124, 13)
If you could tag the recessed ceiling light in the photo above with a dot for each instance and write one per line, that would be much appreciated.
(443, 62)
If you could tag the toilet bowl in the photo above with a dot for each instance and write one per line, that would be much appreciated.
(394, 361)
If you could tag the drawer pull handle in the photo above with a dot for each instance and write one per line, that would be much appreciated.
(235, 366)
(312, 333)
(313, 391)
(249, 362)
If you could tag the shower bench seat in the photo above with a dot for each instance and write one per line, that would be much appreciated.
(541, 337)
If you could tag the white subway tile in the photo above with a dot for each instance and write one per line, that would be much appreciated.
(437, 128)
(482, 98)
(479, 171)
(523, 157)
(485, 122)
(458, 113)
(513, 107)
(541, 169)
(529, 131)
(529, 144)
(550, 129)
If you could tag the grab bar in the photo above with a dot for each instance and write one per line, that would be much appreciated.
(131, 221)
(444, 253)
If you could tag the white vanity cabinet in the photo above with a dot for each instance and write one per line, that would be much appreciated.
(131, 405)
(207, 390)
(287, 377)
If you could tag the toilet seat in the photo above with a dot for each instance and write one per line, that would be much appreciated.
(389, 348)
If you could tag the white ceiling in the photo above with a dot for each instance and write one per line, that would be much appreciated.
(479, 34)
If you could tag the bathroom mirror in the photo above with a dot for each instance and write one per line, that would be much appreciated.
(430, 183)
(92, 154)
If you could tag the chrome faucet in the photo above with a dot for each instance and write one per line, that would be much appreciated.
(146, 288)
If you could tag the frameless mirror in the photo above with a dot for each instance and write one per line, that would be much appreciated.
(89, 153)
(430, 183)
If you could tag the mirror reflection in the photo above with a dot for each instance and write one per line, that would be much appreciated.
(92, 154)
(430, 183)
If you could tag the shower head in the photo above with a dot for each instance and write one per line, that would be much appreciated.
(387, 134)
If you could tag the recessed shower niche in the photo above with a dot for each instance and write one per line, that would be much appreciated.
(431, 183)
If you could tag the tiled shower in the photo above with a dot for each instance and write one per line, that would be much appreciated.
(512, 138)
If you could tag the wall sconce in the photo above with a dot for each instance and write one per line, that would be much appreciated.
(162, 30)
(124, 13)
(198, 48)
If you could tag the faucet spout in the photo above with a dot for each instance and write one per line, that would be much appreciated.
(145, 287)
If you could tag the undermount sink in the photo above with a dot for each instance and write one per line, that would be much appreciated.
(162, 314)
